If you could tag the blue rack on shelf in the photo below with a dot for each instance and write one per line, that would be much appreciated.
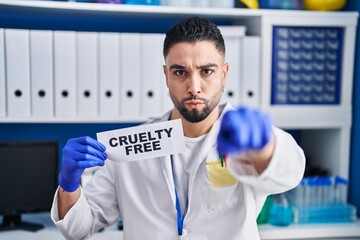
(306, 65)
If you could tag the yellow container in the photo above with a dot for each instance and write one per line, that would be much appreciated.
(324, 5)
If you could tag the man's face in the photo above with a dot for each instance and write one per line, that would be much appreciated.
(195, 75)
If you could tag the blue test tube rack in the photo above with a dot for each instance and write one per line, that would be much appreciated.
(321, 200)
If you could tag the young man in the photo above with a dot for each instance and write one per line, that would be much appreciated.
(192, 194)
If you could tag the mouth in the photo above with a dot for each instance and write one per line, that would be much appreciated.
(194, 103)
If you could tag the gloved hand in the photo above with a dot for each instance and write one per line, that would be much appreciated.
(244, 129)
(79, 154)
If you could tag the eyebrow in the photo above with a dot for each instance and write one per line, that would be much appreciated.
(178, 66)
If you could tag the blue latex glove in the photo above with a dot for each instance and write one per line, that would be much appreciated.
(244, 129)
(79, 154)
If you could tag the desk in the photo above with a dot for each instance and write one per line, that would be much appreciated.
(267, 232)
(50, 232)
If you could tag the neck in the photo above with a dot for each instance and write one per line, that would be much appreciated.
(194, 130)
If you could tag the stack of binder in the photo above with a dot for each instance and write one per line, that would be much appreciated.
(243, 56)
(47, 74)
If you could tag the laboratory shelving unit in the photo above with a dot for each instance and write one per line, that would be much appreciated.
(324, 128)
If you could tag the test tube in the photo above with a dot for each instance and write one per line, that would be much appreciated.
(299, 194)
(312, 190)
(319, 182)
(328, 193)
(307, 193)
(341, 189)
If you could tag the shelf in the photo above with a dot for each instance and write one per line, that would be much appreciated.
(267, 232)
(75, 120)
(160, 11)
(311, 231)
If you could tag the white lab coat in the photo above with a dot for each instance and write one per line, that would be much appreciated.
(142, 194)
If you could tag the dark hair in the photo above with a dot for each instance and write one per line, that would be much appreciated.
(191, 30)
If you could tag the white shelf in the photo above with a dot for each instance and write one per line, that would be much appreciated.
(311, 231)
(258, 22)
(267, 232)
(161, 11)
(75, 119)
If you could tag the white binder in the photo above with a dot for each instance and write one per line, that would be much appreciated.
(109, 78)
(233, 36)
(130, 75)
(233, 53)
(152, 76)
(250, 84)
(2, 76)
(87, 73)
(166, 101)
(65, 73)
(42, 86)
(18, 72)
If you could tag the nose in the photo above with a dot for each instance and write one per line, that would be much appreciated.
(194, 85)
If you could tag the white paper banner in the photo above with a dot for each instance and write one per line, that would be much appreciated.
(144, 141)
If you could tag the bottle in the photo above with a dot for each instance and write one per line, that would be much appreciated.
(141, 2)
(264, 213)
(340, 190)
(281, 213)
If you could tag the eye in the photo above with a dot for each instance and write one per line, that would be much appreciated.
(180, 73)
(207, 71)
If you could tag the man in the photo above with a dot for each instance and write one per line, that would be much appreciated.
(198, 194)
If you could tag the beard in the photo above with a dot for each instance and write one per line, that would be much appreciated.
(195, 115)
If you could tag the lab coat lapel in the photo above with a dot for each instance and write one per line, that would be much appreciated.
(167, 168)
(169, 178)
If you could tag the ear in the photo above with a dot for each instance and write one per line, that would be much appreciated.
(225, 72)
(166, 74)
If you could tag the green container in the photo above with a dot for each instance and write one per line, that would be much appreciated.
(264, 213)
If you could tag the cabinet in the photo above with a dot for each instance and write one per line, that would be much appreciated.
(323, 127)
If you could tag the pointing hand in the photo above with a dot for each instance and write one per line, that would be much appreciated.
(244, 129)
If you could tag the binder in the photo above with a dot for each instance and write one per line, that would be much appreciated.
(166, 101)
(65, 73)
(233, 36)
(87, 73)
(42, 86)
(18, 72)
(109, 74)
(2, 76)
(130, 75)
(250, 88)
(233, 53)
(152, 75)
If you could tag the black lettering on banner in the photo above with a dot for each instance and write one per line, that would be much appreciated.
(128, 149)
(147, 147)
(168, 131)
(151, 138)
(156, 145)
(141, 142)
(142, 137)
(133, 141)
(111, 142)
(159, 133)
(123, 140)
(138, 148)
